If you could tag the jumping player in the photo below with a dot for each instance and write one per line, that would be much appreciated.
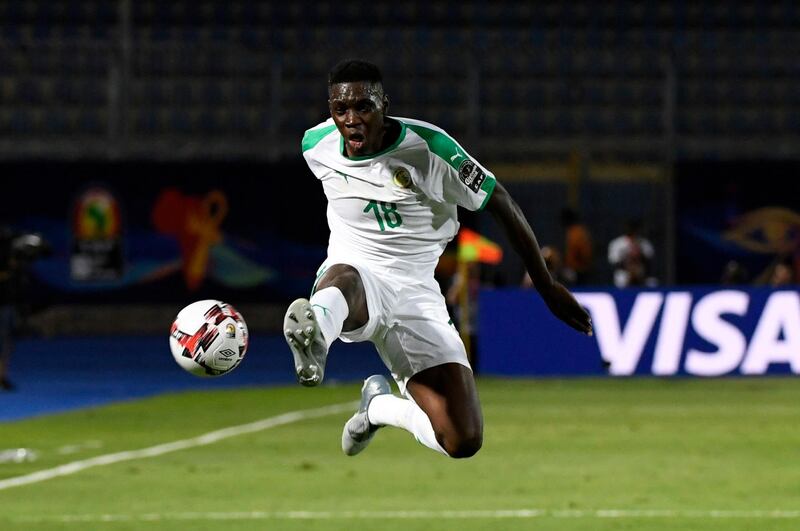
(393, 186)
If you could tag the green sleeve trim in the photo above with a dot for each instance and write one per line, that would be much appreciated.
(313, 136)
(441, 145)
(488, 187)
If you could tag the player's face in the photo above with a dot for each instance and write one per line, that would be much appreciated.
(358, 110)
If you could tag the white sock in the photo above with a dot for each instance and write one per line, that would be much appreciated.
(330, 307)
(390, 410)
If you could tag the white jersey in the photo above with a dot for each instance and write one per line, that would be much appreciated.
(396, 208)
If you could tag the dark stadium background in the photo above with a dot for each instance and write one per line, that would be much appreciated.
(682, 114)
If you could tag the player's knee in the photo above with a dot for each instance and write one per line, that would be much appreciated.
(464, 446)
(350, 279)
(345, 278)
(342, 276)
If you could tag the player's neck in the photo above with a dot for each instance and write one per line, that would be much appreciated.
(391, 132)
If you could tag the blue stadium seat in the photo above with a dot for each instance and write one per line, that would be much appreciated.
(179, 121)
(91, 121)
(182, 93)
(145, 120)
(20, 122)
(5, 121)
(650, 122)
(593, 123)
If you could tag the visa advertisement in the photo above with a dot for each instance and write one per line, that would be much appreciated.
(705, 332)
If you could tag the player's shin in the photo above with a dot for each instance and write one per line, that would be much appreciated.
(390, 410)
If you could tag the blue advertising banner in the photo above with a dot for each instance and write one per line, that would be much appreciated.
(705, 331)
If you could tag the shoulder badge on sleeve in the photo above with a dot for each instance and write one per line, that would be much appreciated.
(471, 175)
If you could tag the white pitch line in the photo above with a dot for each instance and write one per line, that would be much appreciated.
(427, 515)
(161, 449)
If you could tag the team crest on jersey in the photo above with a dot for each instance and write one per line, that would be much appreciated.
(401, 178)
(471, 175)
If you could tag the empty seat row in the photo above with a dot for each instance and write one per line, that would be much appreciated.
(61, 121)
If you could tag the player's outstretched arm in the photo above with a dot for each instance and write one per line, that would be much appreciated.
(558, 298)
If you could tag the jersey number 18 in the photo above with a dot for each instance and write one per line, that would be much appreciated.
(386, 214)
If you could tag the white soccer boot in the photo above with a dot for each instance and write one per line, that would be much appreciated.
(358, 431)
(306, 341)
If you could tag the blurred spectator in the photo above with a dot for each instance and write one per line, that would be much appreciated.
(577, 248)
(734, 274)
(454, 292)
(782, 274)
(465, 290)
(7, 310)
(17, 251)
(631, 256)
(552, 259)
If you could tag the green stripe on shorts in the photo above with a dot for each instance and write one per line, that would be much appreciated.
(319, 276)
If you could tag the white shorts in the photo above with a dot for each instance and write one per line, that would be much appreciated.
(408, 322)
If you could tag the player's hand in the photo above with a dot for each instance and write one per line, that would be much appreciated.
(564, 306)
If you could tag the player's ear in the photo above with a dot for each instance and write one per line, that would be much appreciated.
(385, 104)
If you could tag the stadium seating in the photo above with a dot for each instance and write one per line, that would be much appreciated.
(567, 73)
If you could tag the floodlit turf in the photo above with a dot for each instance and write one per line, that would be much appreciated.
(558, 454)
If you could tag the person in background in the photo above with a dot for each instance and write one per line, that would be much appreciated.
(577, 248)
(631, 255)
(782, 274)
(734, 274)
(7, 310)
(17, 252)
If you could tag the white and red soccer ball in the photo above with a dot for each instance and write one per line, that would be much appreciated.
(208, 338)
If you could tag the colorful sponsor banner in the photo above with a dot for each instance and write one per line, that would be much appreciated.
(145, 232)
(736, 221)
(97, 247)
(698, 332)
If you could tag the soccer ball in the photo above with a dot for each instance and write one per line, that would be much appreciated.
(208, 338)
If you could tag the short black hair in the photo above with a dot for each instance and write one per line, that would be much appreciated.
(351, 70)
(633, 225)
(569, 217)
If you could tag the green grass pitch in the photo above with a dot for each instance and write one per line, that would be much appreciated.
(580, 454)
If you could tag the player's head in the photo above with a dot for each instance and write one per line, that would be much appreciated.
(633, 226)
(569, 217)
(358, 105)
(351, 70)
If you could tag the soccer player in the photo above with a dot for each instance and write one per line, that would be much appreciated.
(393, 186)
